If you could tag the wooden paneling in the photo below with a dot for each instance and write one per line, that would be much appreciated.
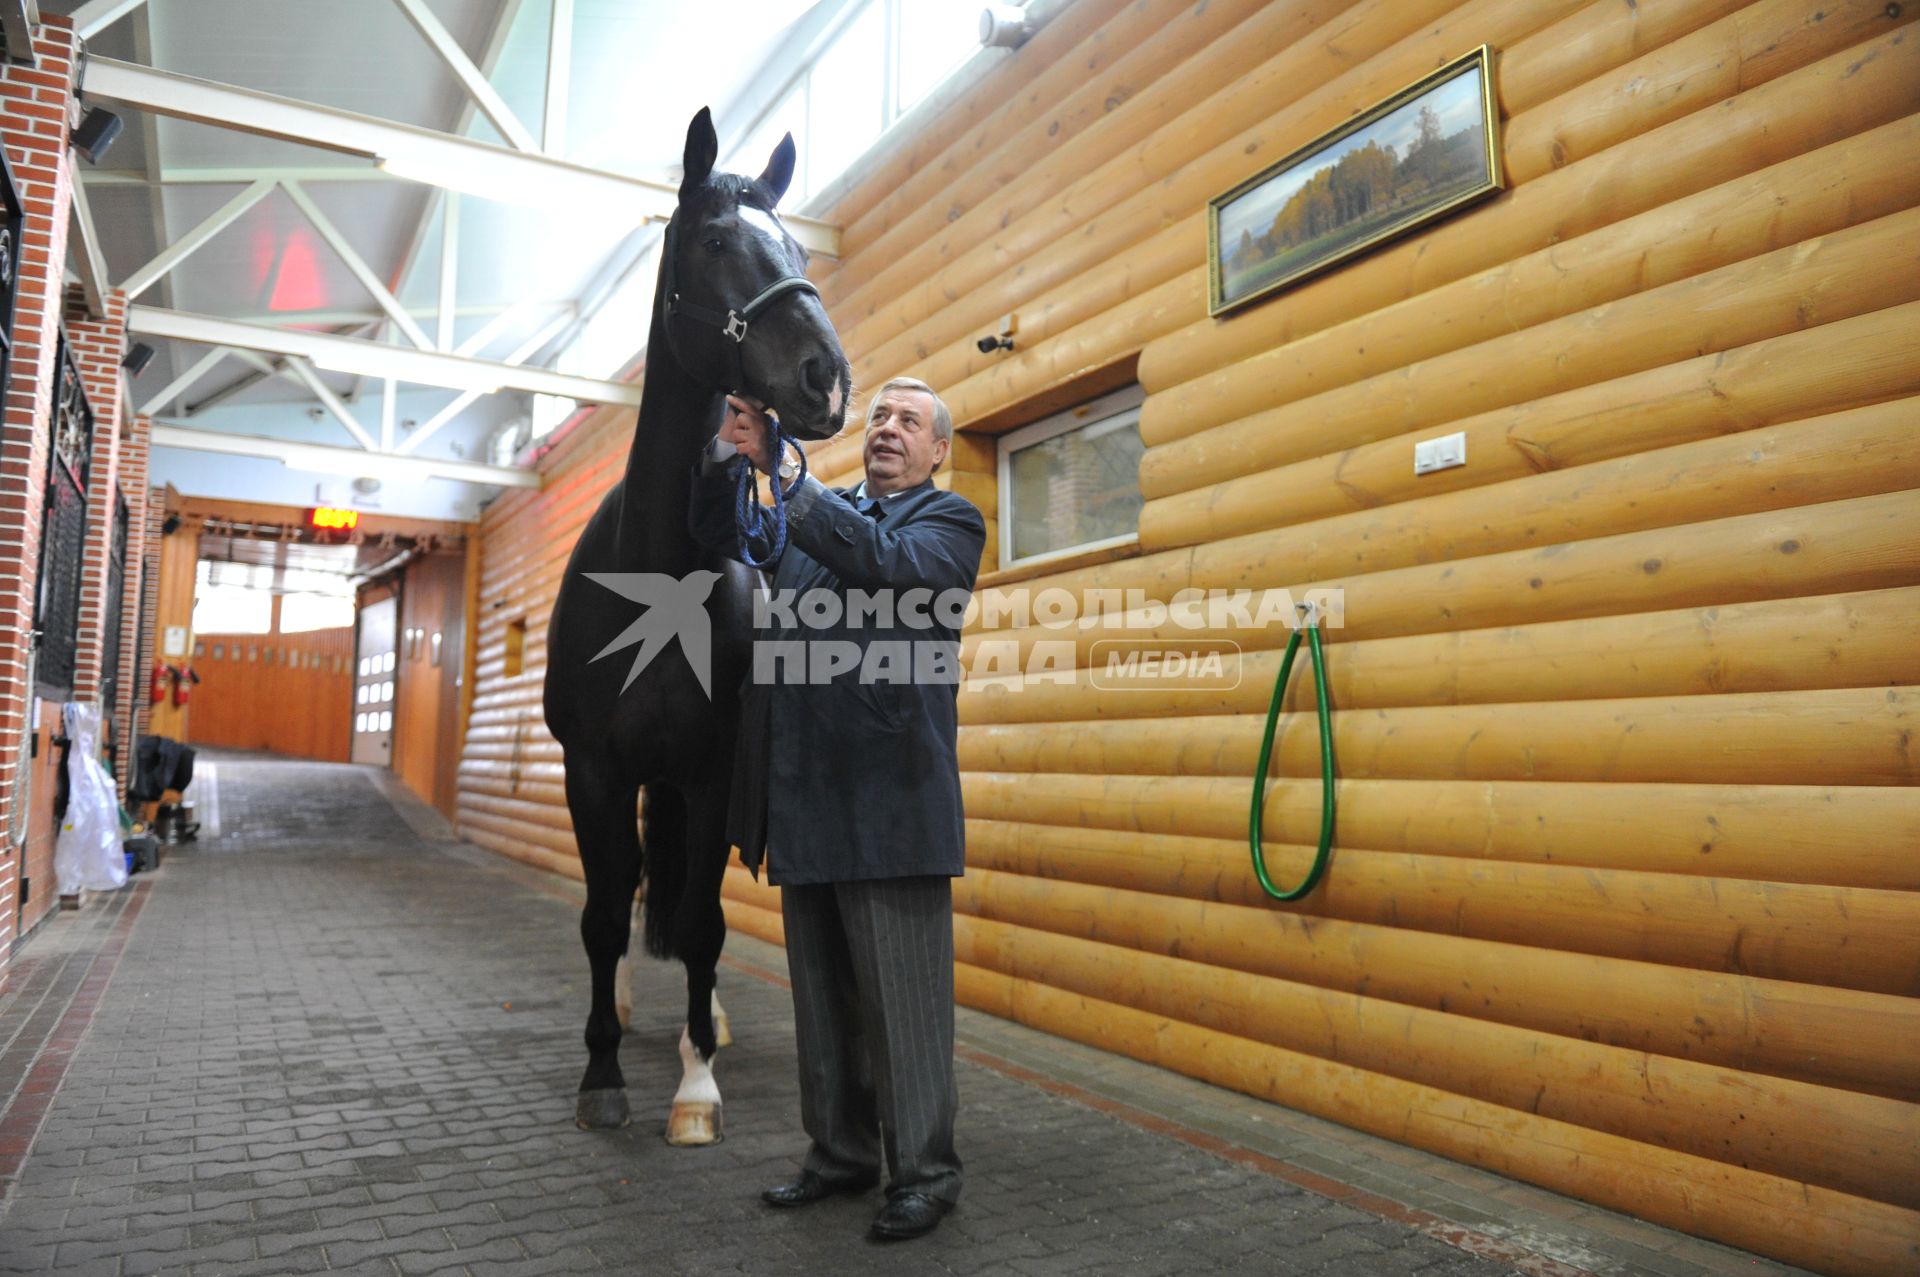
(1624, 891)
(287, 693)
(432, 645)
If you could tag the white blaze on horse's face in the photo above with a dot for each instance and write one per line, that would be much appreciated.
(767, 224)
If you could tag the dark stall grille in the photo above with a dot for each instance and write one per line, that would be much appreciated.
(63, 531)
(11, 220)
(115, 609)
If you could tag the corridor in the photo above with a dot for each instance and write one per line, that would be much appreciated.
(329, 1036)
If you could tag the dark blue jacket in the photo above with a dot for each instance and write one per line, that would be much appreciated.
(855, 776)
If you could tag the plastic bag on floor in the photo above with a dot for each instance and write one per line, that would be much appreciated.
(87, 855)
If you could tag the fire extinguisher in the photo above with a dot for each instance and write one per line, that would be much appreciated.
(183, 680)
(157, 685)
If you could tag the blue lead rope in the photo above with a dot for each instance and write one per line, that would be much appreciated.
(750, 518)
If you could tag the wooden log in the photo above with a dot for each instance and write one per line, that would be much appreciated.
(1841, 936)
(1864, 360)
(514, 849)
(1845, 736)
(1750, 46)
(1845, 454)
(1860, 1144)
(1233, 133)
(1107, 100)
(1850, 272)
(759, 923)
(1590, 42)
(1840, 95)
(1835, 1232)
(998, 96)
(1856, 180)
(1866, 543)
(1835, 641)
(1830, 1037)
(1853, 836)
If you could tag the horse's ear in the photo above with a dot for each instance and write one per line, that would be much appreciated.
(703, 148)
(779, 170)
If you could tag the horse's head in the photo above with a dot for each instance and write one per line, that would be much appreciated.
(740, 314)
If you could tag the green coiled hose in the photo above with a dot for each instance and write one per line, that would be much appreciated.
(1309, 625)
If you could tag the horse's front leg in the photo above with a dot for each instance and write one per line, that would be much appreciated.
(701, 930)
(604, 824)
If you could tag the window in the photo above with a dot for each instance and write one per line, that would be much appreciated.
(1071, 482)
(303, 613)
(885, 59)
(516, 647)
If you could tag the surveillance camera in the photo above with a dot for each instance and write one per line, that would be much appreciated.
(987, 345)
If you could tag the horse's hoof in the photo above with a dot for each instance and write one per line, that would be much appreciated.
(692, 1124)
(604, 1110)
(722, 1035)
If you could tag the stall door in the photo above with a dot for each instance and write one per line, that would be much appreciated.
(373, 676)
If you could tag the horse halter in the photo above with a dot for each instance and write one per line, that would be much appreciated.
(735, 322)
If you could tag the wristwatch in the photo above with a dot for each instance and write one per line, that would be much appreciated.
(789, 467)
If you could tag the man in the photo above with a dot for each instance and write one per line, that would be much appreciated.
(861, 798)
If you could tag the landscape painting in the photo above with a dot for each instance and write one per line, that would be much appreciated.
(1417, 156)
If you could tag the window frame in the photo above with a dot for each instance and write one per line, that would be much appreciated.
(1125, 402)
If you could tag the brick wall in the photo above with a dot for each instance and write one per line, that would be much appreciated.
(98, 345)
(33, 125)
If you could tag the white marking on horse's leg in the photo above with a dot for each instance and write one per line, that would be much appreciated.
(695, 1117)
(623, 972)
(722, 1034)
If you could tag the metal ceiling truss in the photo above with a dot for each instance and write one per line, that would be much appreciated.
(371, 359)
(450, 162)
(318, 457)
(438, 159)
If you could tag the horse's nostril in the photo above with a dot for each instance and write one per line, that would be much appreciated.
(818, 374)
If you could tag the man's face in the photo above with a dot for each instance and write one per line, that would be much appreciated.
(902, 449)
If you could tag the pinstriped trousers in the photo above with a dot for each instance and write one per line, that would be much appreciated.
(872, 970)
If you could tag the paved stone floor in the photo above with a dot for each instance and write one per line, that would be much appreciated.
(330, 1037)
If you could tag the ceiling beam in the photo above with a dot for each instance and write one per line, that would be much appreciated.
(84, 245)
(527, 350)
(183, 383)
(371, 359)
(478, 87)
(18, 18)
(553, 120)
(190, 243)
(90, 19)
(449, 269)
(347, 462)
(456, 163)
(304, 371)
(308, 173)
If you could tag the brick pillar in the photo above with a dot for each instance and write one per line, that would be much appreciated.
(135, 450)
(33, 126)
(98, 346)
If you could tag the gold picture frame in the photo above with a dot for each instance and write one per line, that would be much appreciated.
(1427, 151)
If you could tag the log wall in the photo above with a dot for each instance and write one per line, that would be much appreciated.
(1625, 891)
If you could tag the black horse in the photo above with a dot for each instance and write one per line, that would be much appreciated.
(733, 313)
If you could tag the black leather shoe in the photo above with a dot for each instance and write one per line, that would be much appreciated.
(812, 1187)
(909, 1215)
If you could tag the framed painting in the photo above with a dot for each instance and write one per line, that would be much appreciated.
(1428, 150)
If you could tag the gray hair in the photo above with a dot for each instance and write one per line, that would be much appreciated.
(942, 419)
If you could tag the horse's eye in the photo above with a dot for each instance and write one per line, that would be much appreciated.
(715, 246)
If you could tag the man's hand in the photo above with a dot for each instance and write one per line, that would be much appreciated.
(747, 428)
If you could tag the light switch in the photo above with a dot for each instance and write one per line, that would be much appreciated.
(1443, 453)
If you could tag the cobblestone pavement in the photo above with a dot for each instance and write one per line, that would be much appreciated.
(336, 1040)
